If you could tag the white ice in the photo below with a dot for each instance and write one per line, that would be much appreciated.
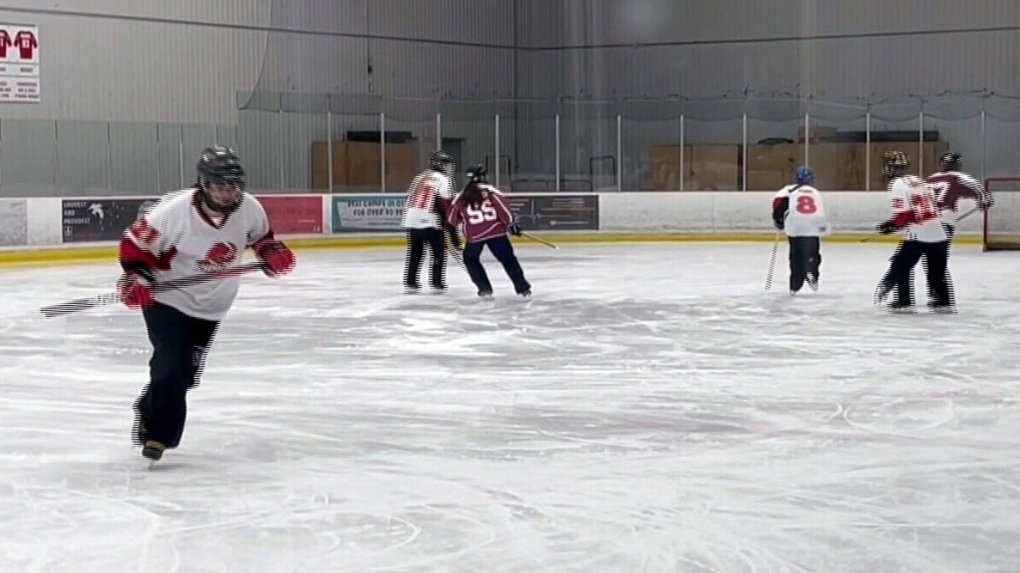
(652, 409)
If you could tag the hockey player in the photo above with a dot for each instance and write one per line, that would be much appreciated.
(797, 209)
(195, 231)
(915, 212)
(951, 185)
(487, 220)
(428, 204)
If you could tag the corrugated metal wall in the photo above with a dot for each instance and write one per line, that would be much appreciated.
(900, 56)
(148, 84)
(162, 77)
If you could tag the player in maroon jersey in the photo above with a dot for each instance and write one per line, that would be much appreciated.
(952, 184)
(487, 220)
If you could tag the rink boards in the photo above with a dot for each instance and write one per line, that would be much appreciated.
(55, 229)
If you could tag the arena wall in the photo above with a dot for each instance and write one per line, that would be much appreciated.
(78, 229)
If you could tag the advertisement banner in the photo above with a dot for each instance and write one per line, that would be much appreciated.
(560, 212)
(293, 214)
(367, 213)
(19, 63)
(101, 219)
(13, 222)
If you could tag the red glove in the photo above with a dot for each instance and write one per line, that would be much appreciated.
(278, 258)
(134, 291)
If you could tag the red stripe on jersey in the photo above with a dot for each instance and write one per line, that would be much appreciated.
(130, 253)
(903, 219)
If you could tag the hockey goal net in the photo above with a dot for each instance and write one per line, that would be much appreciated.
(1002, 221)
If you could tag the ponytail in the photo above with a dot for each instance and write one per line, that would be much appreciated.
(470, 196)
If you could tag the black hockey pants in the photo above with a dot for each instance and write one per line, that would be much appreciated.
(416, 241)
(503, 250)
(805, 260)
(901, 271)
(179, 347)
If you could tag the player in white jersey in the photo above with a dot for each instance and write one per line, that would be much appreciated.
(428, 203)
(797, 209)
(191, 232)
(915, 212)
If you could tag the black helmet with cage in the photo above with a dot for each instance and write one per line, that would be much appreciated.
(894, 164)
(441, 161)
(477, 173)
(950, 161)
(220, 178)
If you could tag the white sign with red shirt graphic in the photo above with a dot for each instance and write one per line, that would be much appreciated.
(19, 63)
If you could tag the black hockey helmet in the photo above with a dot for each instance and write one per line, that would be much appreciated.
(950, 161)
(219, 167)
(440, 161)
(477, 174)
(895, 164)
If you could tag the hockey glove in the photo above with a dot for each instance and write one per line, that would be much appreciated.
(886, 228)
(514, 229)
(279, 259)
(986, 202)
(134, 291)
(778, 223)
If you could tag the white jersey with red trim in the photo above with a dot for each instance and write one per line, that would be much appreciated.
(805, 216)
(420, 212)
(911, 194)
(186, 241)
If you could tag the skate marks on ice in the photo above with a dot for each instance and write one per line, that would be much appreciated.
(598, 427)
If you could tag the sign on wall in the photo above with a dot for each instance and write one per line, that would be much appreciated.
(19, 63)
(367, 213)
(101, 219)
(383, 213)
(559, 212)
(13, 222)
(293, 215)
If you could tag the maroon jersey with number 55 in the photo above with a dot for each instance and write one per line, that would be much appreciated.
(483, 221)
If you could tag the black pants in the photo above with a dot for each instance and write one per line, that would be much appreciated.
(901, 273)
(950, 231)
(179, 346)
(503, 250)
(416, 241)
(805, 260)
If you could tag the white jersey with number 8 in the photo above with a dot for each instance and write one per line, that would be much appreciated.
(805, 216)
(913, 194)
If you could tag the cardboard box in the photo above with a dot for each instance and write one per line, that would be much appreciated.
(715, 167)
(320, 165)
(665, 168)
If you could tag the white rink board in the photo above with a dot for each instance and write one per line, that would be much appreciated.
(719, 212)
(651, 410)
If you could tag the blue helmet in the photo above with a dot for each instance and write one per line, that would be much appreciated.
(804, 175)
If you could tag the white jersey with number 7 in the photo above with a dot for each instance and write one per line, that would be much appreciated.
(913, 195)
(805, 216)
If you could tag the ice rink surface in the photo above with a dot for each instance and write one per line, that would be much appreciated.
(652, 409)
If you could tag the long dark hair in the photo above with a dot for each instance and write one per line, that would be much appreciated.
(471, 195)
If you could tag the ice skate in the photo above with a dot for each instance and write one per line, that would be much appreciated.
(485, 293)
(140, 434)
(526, 294)
(153, 450)
(901, 308)
(812, 282)
(412, 289)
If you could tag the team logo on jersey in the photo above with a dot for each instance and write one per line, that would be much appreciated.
(218, 257)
